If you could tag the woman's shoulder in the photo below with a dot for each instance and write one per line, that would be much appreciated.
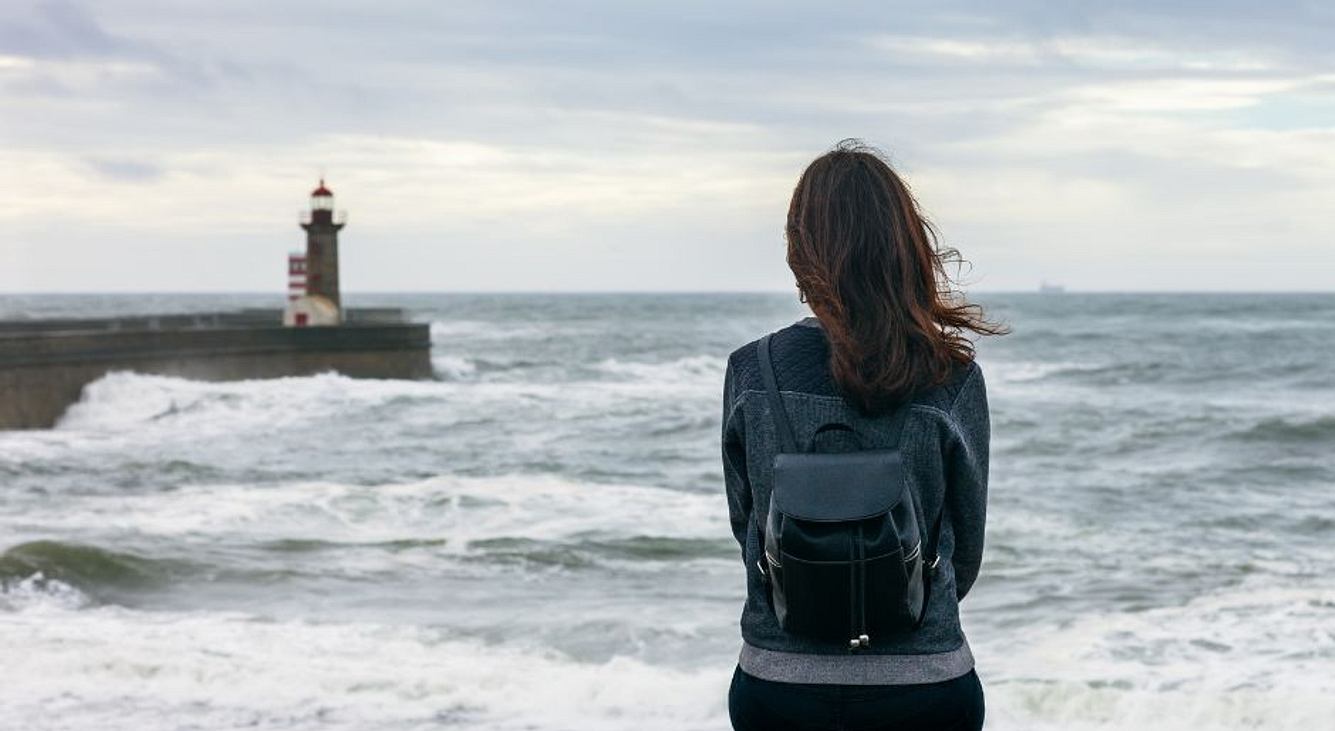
(801, 357)
(963, 382)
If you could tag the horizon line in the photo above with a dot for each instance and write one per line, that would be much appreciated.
(402, 292)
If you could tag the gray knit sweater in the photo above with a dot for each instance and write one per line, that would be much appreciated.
(945, 451)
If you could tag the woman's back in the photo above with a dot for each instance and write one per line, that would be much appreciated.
(944, 445)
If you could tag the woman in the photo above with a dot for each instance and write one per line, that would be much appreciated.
(885, 354)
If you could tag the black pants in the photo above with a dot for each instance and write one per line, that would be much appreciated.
(764, 705)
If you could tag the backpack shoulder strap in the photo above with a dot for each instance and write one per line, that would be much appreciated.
(787, 443)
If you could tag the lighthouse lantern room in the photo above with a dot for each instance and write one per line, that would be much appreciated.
(322, 198)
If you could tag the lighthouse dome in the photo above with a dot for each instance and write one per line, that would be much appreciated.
(322, 198)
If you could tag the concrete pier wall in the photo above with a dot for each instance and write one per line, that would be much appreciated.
(43, 371)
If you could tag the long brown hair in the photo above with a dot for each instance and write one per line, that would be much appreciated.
(872, 270)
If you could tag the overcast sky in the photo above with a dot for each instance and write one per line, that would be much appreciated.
(616, 145)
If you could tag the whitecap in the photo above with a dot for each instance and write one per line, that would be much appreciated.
(113, 668)
(37, 593)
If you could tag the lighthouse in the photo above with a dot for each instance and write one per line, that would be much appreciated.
(320, 303)
(322, 246)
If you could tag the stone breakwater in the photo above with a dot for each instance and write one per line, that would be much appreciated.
(44, 364)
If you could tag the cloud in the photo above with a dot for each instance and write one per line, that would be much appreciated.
(57, 30)
(591, 140)
(1092, 52)
(125, 170)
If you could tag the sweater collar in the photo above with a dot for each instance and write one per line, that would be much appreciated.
(808, 321)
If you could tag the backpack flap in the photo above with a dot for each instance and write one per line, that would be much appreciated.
(843, 546)
(845, 486)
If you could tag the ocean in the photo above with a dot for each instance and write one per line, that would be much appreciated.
(538, 539)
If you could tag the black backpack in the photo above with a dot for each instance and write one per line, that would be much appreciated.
(844, 557)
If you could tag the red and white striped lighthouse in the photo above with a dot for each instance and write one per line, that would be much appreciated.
(312, 276)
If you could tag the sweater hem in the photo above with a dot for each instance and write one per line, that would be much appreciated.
(796, 667)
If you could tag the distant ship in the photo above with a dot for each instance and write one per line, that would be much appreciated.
(1046, 287)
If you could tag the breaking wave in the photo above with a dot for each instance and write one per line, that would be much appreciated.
(689, 370)
(116, 669)
(36, 592)
(95, 572)
(520, 519)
